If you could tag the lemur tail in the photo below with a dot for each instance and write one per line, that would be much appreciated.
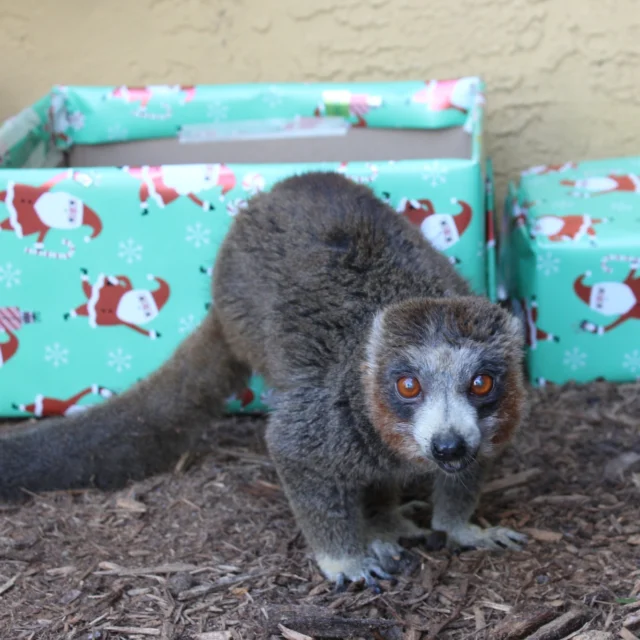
(140, 432)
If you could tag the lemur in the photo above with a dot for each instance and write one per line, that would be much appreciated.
(385, 367)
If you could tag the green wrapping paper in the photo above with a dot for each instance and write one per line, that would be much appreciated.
(104, 270)
(571, 265)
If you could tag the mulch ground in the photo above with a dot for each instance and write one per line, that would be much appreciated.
(211, 551)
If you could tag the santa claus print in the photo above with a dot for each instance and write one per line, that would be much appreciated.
(142, 95)
(347, 104)
(343, 168)
(246, 397)
(12, 319)
(38, 210)
(545, 169)
(443, 230)
(566, 228)
(45, 407)
(113, 302)
(166, 183)
(533, 334)
(441, 95)
(620, 300)
(602, 185)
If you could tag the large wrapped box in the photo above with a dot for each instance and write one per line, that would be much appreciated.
(114, 202)
(570, 262)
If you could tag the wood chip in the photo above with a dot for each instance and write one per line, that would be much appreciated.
(635, 540)
(319, 621)
(632, 621)
(210, 587)
(625, 634)
(111, 569)
(290, 634)
(563, 625)
(542, 535)
(141, 631)
(8, 584)
(521, 624)
(130, 504)
(512, 480)
(560, 499)
(213, 635)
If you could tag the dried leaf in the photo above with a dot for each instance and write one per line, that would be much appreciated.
(290, 634)
(543, 536)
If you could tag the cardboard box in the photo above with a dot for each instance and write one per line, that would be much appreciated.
(114, 201)
(572, 268)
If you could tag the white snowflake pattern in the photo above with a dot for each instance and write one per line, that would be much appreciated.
(621, 207)
(632, 361)
(198, 235)
(76, 120)
(117, 132)
(434, 173)
(187, 324)
(56, 354)
(217, 111)
(272, 97)
(119, 360)
(575, 359)
(130, 251)
(10, 275)
(562, 204)
(482, 249)
(548, 263)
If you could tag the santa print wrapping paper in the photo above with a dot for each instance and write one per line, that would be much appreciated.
(105, 270)
(572, 268)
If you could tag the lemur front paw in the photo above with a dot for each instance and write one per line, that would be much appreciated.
(347, 569)
(472, 536)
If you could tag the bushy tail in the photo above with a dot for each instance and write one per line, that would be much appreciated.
(130, 436)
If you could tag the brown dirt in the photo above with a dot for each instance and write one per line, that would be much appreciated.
(211, 552)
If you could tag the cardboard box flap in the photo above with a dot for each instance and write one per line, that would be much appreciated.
(371, 145)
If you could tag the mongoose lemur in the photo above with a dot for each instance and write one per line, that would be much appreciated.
(384, 366)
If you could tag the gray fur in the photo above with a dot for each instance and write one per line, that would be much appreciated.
(298, 281)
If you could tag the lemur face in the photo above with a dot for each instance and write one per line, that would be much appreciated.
(443, 380)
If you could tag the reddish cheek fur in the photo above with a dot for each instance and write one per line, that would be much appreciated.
(510, 410)
(385, 422)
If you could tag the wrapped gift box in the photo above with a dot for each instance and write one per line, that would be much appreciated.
(114, 202)
(569, 259)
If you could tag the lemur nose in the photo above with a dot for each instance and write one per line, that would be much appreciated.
(449, 448)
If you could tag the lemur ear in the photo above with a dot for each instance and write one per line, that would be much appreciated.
(375, 338)
(515, 327)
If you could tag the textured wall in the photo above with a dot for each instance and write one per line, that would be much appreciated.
(563, 77)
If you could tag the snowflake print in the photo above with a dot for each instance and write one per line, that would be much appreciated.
(575, 359)
(76, 120)
(271, 97)
(198, 235)
(119, 360)
(563, 204)
(217, 111)
(130, 251)
(117, 132)
(56, 355)
(548, 263)
(632, 361)
(434, 173)
(482, 249)
(187, 324)
(621, 207)
(10, 275)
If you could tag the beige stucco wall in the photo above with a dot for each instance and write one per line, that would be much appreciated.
(563, 75)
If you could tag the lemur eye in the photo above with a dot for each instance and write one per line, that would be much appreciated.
(408, 387)
(482, 385)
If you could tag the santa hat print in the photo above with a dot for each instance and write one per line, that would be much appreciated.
(226, 178)
(161, 294)
(9, 347)
(91, 218)
(415, 210)
(582, 290)
(463, 219)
